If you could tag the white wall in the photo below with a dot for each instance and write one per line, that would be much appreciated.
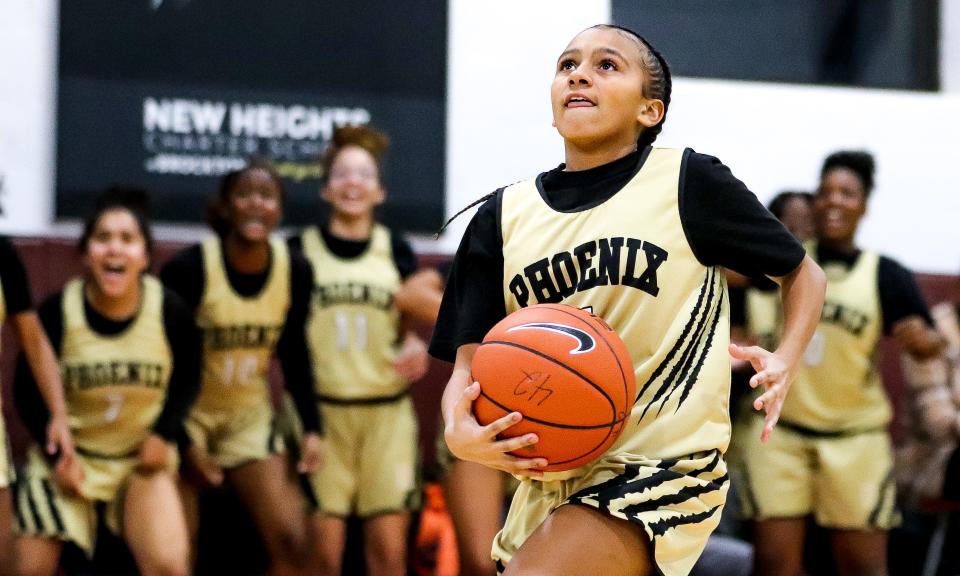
(28, 35)
(950, 45)
(501, 62)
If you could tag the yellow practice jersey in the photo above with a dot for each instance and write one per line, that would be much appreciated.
(240, 333)
(353, 328)
(115, 385)
(628, 261)
(838, 387)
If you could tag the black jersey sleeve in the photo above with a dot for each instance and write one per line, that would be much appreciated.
(184, 275)
(404, 257)
(185, 343)
(727, 226)
(473, 300)
(900, 296)
(292, 347)
(26, 395)
(13, 277)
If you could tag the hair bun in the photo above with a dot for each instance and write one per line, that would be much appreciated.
(365, 137)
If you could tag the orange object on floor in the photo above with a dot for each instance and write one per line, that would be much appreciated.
(435, 553)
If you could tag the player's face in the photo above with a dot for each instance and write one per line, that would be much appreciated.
(254, 206)
(597, 92)
(839, 205)
(116, 253)
(798, 218)
(353, 186)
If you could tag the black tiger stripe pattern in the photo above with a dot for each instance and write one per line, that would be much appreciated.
(630, 495)
(693, 345)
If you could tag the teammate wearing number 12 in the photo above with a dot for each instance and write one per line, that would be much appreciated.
(128, 353)
(251, 298)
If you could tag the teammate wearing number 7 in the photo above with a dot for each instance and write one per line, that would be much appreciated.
(128, 353)
(251, 297)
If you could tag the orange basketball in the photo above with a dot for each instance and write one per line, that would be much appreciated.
(566, 371)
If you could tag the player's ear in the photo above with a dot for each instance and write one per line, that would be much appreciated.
(650, 113)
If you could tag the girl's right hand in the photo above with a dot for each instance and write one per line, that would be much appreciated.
(468, 440)
(200, 467)
(68, 474)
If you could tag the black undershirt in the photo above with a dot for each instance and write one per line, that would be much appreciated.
(403, 256)
(724, 223)
(900, 297)
(182, 336)
(13, 276)
(184, 274)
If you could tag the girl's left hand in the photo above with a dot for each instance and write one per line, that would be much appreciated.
(412, 361)
(154, 454)
(774, 374)
(312, 449)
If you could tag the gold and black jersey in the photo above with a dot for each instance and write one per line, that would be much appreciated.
(353, 328)
(838, 387)
(115, 385)
(240, 333)
(629, 261)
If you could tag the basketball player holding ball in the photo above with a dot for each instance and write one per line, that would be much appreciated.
(638, 236)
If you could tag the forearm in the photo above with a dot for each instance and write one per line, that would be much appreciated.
(42, 360)
(459, 380)
(802, 292)
(420, 295)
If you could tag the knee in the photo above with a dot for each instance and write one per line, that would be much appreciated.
(387, 556)
(289, 546)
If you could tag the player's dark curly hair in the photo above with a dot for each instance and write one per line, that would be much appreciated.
(780, 201)
(659, 84)
(373, 141)
(859, 161)
(215, 215)
(136, 201)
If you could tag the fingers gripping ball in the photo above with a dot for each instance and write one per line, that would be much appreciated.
(566, 371)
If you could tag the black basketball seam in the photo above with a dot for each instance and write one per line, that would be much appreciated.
(609, 428)
(613, 407)
(509, 410)
(623, 377)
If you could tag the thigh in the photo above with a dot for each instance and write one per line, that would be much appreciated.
(581, 541)
(329, 537)
(388, 460)
(777, 478)
(778, 546)
(154, 525)
(860, 552)
(274, 503)
(6, 532)
(475, 498)
(37, 555)
(854, 486)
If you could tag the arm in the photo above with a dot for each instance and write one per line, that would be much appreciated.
(45, 369)
(802, 292)
(296, 365)
(420, 295)
(185, 343)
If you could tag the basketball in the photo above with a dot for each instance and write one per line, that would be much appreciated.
(566, 371)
